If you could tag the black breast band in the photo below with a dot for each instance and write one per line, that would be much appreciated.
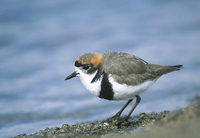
(106, 88)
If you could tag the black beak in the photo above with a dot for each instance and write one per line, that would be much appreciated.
(74, 74)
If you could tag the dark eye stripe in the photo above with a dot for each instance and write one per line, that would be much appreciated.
(86, 67)
(77, 64)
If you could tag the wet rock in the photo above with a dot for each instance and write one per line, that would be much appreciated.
(65, 127)
(21, 136)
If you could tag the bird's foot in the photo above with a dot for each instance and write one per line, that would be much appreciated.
(123, 122)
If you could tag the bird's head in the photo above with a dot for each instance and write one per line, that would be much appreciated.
(86, 64)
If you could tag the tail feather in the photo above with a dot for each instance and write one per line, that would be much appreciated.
(163, 69)
(178, 66)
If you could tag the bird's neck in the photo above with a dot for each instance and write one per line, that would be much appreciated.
(93, 86)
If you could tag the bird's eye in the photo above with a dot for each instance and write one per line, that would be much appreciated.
(85, 67)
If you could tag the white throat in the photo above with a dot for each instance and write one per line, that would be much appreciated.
(86, 79)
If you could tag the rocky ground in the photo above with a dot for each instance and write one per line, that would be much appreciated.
(181, 123)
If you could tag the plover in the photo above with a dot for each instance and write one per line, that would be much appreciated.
(118, 76)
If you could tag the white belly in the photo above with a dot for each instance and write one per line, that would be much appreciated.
(123, 91)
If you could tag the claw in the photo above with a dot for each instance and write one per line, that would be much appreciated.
(123, 121)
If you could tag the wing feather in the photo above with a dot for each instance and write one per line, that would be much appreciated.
(126, 68)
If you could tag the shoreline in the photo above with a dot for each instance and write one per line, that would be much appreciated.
(140, 125)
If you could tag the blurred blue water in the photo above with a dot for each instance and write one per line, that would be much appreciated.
(40, 40)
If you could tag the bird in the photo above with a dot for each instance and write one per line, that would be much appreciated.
(118, 76)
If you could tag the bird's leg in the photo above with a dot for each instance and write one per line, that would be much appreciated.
(138, 99)
(122, 109)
